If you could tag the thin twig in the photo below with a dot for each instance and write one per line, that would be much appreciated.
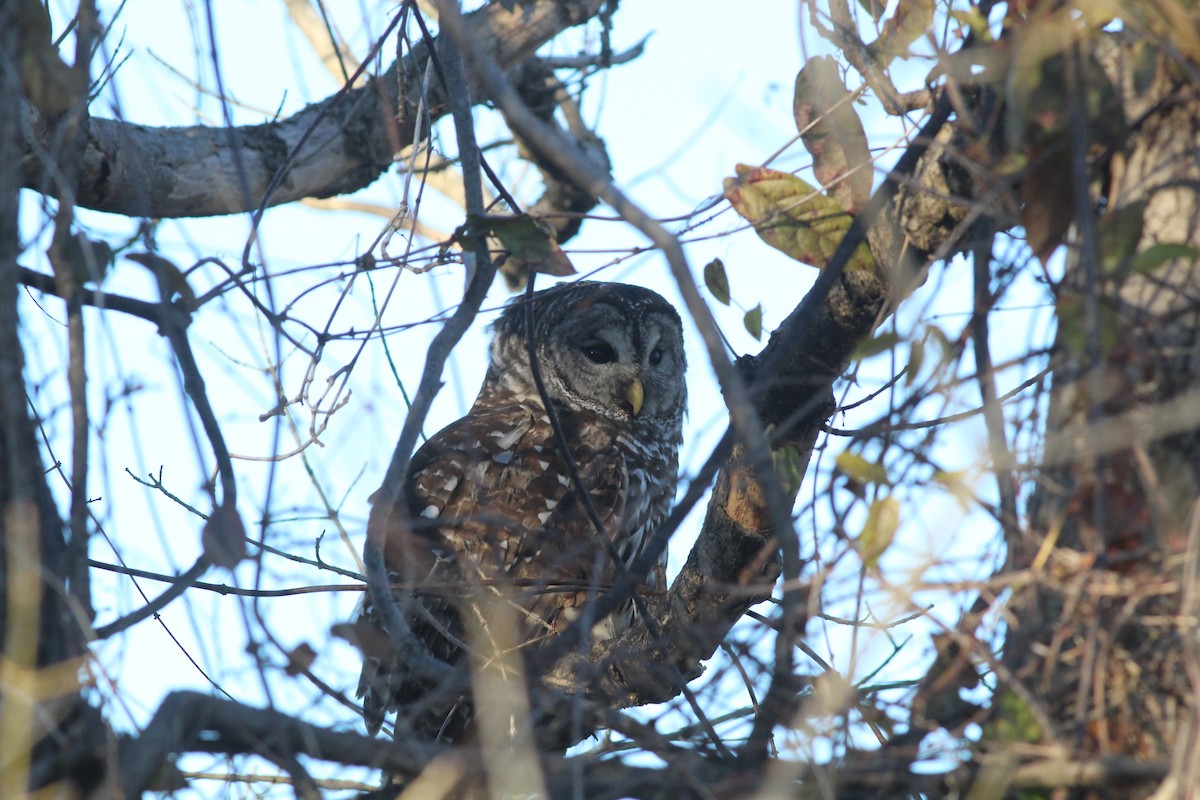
(181, 584)
(993, 413)
(225, 589)
(596, 59)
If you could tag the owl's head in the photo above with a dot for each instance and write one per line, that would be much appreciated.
(611, 348)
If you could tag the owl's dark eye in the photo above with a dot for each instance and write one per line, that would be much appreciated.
(656, 356)
(600, 353)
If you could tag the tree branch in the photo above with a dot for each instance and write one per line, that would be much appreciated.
(142, 171)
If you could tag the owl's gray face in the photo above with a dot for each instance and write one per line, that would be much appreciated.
(610, 348)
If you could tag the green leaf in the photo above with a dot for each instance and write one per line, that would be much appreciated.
(832, 132)
(883, 519)
(533, 242)
(753, 321)
(916, 360)
(1156, 255)
(1015, 722)
(790, 468)
(858, 469)
(717, 281)
(876, 345)
(1119, 232)
(793, 217)
(1075, 336)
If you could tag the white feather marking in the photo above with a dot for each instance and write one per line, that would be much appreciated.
(506, 439)
(564, 480)
(431, 512)
(451, 484)
(551, 503)
(504, 457)
(542, 517)
(543, 465)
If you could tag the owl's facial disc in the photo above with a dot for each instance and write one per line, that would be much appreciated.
(620, 365)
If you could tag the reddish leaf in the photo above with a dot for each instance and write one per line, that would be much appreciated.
(1048, 205)
(833, 133)
(300, 660)
(369, 639)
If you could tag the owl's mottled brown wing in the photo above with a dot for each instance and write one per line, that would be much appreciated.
(493, 504)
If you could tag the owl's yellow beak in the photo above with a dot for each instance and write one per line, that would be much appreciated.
(635, 394)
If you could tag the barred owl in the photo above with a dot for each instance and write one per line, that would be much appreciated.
(493, 501)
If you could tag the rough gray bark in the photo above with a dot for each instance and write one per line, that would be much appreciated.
(336, 146)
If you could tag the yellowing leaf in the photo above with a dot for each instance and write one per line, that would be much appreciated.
(717, 281)
(858, 469)
(976, 22)
(876, 345)
(753, 321)
(955, 482)
(792, 216)
(879, 531)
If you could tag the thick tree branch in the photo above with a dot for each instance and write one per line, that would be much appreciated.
(193, 722)
(350, 138)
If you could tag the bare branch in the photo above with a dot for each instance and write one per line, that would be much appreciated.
(181, 584)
